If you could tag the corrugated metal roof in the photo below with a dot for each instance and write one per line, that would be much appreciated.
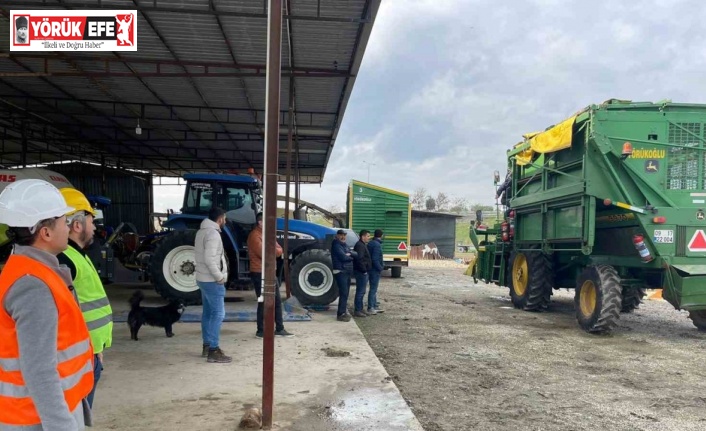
(196, 83)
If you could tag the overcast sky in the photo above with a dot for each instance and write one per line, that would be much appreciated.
(446, 86)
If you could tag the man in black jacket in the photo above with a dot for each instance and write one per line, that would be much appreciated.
(361, 265)
(341, 260)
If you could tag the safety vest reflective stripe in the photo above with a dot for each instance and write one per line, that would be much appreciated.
(19, 391)
(62, 356)
(99, 323)
(95, 305)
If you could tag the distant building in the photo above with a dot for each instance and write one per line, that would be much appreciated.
(438, 228)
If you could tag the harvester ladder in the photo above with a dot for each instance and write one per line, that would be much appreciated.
(499, 264)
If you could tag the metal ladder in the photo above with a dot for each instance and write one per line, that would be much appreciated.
(499, 265)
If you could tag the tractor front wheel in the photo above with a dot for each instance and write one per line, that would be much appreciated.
(598, 298)
(312, 278)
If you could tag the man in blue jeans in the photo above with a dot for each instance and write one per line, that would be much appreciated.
(342, 263)
(375, 249)
(211, 277)
(361, 265)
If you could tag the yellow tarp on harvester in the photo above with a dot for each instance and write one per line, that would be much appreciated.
(557, 138)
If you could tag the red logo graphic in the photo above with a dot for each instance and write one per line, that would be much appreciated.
(126, 33)
(698, 241)
(402, 246)
(8, 178)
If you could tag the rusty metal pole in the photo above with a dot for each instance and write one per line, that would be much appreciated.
(285, 247)
(272, 94)
(297, 178)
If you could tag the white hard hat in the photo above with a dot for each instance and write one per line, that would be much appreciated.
(27, 202)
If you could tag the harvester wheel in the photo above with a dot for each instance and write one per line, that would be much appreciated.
(632, 298)
(530, 280)
(598, 298)
(698, 318)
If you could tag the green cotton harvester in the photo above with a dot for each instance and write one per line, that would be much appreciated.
(610, 202)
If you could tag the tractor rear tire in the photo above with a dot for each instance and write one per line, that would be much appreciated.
(632, 298)
(530, 280)
(698, 318)
(173, 268)
(312, 278)
(598, 299)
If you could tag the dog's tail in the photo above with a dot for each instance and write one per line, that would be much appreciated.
(136, 298)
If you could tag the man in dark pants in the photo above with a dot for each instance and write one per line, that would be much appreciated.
(377, 266)
(342, 264)
(255, 254)
(361, 265)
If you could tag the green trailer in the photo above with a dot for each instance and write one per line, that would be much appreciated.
(373, 207)
(610, 202)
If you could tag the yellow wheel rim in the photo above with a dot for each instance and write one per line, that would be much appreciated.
(587, 299)
(520, 275)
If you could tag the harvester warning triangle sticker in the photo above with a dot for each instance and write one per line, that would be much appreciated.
(698, 241)
(403, 247)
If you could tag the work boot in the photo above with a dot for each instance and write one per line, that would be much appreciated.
(378, 310)
(259, 334)
(283, 333)
(360, 313)
(371, 312)
(217, 356)
(204, 352)
(344, 318)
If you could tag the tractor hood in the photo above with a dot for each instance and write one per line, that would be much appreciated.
(307, 228)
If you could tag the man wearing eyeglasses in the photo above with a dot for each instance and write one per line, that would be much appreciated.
(46, 359)
(91, 295)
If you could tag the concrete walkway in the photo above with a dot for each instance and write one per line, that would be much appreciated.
(161, 383)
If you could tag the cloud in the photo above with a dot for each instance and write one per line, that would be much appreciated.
(447, 86)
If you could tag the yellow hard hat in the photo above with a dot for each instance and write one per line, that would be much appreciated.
(77, 200)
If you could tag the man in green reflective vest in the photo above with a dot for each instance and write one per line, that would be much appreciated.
(89, 288)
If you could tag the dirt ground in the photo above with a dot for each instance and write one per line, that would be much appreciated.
(464, 359)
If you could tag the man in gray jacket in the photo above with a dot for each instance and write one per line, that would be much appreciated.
(211, 277)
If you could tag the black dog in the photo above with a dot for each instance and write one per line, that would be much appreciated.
(163, 317)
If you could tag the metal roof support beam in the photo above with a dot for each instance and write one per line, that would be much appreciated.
(207, 66)
(205, 74)
(186, 10)
(56, 100)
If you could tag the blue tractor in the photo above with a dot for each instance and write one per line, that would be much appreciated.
(172, 263)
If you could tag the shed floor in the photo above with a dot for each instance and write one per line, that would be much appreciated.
(160, 383)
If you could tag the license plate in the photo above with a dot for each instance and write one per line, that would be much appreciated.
(664, 236)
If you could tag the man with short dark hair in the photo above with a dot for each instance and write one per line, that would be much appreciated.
(92, 298)
(211, 277)
(255, 254)
(377, 266)
(361, 265)
(342, 265)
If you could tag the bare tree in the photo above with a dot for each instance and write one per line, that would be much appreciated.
(442, 201)
(459, 205)
(419, 199)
